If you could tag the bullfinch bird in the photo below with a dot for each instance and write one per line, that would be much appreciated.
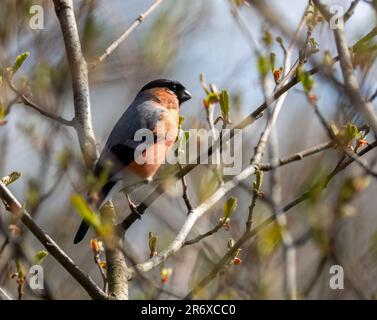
(155, 108)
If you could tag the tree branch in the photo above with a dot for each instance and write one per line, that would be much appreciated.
(297, 156)
(85, 281)
(118, 274)
(350, 81)
(205, 235)
(247, 235)
(26, 101)
(125, 34)
(80, 85)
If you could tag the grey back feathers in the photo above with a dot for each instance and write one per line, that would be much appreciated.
(141, 114)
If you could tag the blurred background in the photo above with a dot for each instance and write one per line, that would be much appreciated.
(180, 40)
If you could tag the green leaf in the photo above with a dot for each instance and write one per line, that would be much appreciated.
(267, 38)
(181, 121)
(351, 132)
(64, 158)
(313, 44)
(272, 61)
(186, 135)
(229, 207)
(19, 61)
(306, 80)
(258, 179)
(268, 240)
(20, 269)
(33, 194)
(3, 111)
(239, 3)
(11, 178)
(152, 242)
(103, 227)
(85, 212)
(40, 255)
(352, 186)
(328, 60)
(224, 104)
(334, 128)
(211, 98)
(263, 65)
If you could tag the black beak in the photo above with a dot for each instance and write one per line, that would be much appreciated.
(185, 95)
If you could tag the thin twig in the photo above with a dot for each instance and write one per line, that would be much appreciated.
(297, 156)
(247, 235)
(331, 134)
(253, 203)
(3, 246)
(4, 295)
(350, 81)
(26, 101)
(185, 195)
(209, 233)
(125, 34)
(97, 261)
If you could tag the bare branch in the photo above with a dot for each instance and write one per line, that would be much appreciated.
(26, 101)
(205, 235)
(80, 85)
(247, 235)
(4, 295)
(331, 134)
(118, 273)
(125, 34)
(193, 217)
(297, 156)
(51, 246)
(185, 195)
(350, 81)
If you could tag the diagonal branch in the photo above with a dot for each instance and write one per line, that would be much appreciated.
(267, 167)
(247, 235)
(26, 101)
(125, 34)
(350, 81)
(51, 246)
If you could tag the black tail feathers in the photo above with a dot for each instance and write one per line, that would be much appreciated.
(81, 232)
(84, 227)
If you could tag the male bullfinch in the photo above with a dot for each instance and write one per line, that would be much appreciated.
(156, 108)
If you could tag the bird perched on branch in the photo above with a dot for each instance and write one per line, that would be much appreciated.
(156, 110)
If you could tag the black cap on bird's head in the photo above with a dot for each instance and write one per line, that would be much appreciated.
(180, 91)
